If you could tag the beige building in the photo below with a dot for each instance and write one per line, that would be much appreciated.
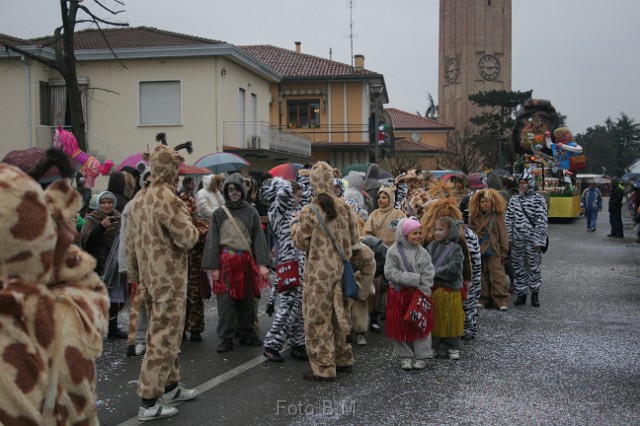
(206, 91)
(267, 104)
(328, 102)
(474, 55)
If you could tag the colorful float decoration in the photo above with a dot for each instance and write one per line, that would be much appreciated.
(551, 154)
(90, 166)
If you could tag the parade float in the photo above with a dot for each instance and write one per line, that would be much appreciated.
(551, 154)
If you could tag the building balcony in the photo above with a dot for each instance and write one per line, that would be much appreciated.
(261, 139)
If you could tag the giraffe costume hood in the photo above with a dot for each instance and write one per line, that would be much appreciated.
(53, 307)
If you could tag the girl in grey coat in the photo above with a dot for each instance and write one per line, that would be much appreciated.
(408, 267)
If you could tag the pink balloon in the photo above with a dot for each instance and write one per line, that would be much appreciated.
(91, 167)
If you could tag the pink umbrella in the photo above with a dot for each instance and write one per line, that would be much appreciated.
(132, 161)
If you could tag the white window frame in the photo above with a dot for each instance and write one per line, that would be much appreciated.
(166, 117)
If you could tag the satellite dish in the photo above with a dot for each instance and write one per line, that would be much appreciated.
(415, 137)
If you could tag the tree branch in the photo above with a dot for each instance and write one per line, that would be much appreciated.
(48, 62)
(98, 19)
(113, 12)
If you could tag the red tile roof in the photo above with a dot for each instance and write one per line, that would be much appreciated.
(406, 120)
(291, 64)
(403, 145)
(5, 38)
(131, 38)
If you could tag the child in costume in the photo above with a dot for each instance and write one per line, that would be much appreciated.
(448, 314)
(377, 225)
(487, 210)
(408, 267)
(364, 266)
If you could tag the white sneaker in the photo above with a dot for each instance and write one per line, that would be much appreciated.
(360, 340)
(179, 394)
(158, 411)
(406, 364)
(454, 354)
(503, 308)
(419, 364)
(140, 349)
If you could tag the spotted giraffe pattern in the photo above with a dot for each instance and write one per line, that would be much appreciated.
(160, 234)
(322, 301)
(49, 315)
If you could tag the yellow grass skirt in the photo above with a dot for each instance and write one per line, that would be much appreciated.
(448, 316)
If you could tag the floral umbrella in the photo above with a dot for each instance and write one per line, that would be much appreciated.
(26, 159)
(222, 162)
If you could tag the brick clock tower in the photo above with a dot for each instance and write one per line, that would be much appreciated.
(474, 55)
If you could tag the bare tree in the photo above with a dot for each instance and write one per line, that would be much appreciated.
(399, 163)
(62, 42)
(463, 153)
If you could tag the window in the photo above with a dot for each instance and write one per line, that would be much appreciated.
(303, 113)
(160, 102)
(45, 104)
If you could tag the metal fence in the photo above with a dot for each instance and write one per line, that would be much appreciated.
(262, 135)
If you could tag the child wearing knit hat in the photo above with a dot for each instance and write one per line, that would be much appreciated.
(408, 268)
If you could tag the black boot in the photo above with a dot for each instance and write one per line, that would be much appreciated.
(114, 331)
(534, 300)
(520, 300)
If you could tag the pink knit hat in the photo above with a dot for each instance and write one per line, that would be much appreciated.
(410, 225)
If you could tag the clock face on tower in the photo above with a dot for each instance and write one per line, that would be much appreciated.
(451, 70)
(489, 67)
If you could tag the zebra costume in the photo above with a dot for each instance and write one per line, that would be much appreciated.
(525, 234)
(473, 294)
(288, 322)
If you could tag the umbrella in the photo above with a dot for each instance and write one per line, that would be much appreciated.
(382, 174)
(132, 161)
(477, 180)
(222, 162)
(193, 170)
(26, 159)
(287, 171)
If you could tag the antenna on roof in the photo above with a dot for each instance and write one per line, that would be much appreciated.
(351, 28)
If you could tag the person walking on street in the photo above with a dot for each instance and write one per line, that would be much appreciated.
(615, 209)
(323, 304)
(526, 221)
(235, 237)
(160, 234)
(591, 202)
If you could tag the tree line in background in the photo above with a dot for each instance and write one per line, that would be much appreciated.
(609, 148)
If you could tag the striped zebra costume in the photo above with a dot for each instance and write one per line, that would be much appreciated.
(473, 294)
(288, 322)
(525, 234)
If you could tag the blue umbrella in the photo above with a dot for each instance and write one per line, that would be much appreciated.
(222, 162)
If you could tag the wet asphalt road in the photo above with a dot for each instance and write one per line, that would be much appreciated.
(573, 361)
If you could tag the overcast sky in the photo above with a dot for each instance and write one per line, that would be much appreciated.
(582, 55)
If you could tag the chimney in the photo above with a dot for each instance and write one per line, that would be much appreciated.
(298, 46)
(358, 61)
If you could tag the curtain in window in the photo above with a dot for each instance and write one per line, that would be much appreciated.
(58, 89)
(58, 104)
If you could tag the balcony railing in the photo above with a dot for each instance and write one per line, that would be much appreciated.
(262, 135)
(334, 134)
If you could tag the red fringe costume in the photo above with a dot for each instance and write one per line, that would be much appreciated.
(238, 272)
(396, 327)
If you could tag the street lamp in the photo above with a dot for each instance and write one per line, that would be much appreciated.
(376, 91)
